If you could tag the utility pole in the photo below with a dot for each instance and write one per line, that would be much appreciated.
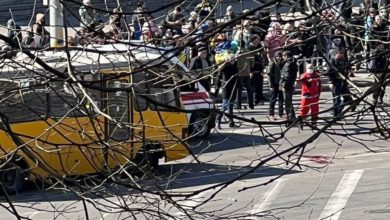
(242, 27)
(56, 24)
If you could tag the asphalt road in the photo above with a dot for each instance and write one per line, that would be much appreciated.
(342, 176)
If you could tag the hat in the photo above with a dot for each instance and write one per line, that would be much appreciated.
(201, 49)
(39, 17)
(193, 16)
(254, 37)
(176, 36)
(229, 8)
(10, 23)
(310, 66)
(87, 2)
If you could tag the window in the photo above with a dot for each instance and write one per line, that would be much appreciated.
(118, 109)
(140, 89)
(22, 104)
(64, 101)
(158, 85)
(162, 89)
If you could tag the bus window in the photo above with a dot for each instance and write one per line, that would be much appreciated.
(118, 109)
(139, 88)
(64, 102)
(24, 105)
(94, 94)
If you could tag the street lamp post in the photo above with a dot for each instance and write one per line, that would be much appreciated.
(56, 23)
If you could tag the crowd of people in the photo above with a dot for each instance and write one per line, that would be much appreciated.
(234, 53)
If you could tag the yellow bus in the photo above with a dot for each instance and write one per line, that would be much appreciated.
(99, 118)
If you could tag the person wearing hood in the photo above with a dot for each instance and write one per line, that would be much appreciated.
(14, 34)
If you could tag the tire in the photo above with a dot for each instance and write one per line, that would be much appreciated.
(147, 164)
(13, 178)
(199, 126)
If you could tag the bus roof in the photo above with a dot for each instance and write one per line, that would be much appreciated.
(93, 58)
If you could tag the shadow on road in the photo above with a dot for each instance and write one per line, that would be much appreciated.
(198, 174)
(227, 141)
(171, 177)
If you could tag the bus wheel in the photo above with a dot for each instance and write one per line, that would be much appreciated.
(12, 178)
(148, 163)
(199, 126)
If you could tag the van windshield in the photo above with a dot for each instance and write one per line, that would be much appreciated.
(158, 86)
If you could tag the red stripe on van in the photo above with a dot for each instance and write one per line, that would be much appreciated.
(194, 96)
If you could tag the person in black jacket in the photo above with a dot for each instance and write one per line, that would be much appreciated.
(276, 93)
(378, 64)
(203, 66)
(14, 33)
(228, 77)
(257, 78)
(287, 82)
(338, 74)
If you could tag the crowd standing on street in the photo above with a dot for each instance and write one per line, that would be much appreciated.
(235, 59)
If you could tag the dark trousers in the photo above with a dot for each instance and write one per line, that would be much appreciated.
(288, 99)
(205, 83)
(257, 84)
(244, 81)
(276, 95)
(341, 96)
(379, 94)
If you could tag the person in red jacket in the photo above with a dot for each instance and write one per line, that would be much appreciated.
(310, 92)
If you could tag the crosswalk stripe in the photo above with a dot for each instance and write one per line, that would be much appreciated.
(269, 197)
(339, 198)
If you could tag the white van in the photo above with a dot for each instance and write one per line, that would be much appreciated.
(193, 95)
(195, 98)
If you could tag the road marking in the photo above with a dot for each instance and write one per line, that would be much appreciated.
(269, 197)
(189, 204)
(244, 130)
(364, 155)
(30, 214)
(110, 211)
(339, 198)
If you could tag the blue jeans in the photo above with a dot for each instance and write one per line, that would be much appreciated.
(226, 105)
(341, 96)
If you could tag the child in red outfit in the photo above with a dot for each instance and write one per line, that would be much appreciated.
(310, 92)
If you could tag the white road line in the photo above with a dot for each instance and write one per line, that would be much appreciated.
(270, 196)
(109, 212)
(192, 202)
(30, 214)
(364, 155)
(339, 198)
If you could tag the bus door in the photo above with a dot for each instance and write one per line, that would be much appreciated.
(118, 128)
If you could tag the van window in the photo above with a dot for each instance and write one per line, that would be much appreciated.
(64, 101)
(161, 88)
